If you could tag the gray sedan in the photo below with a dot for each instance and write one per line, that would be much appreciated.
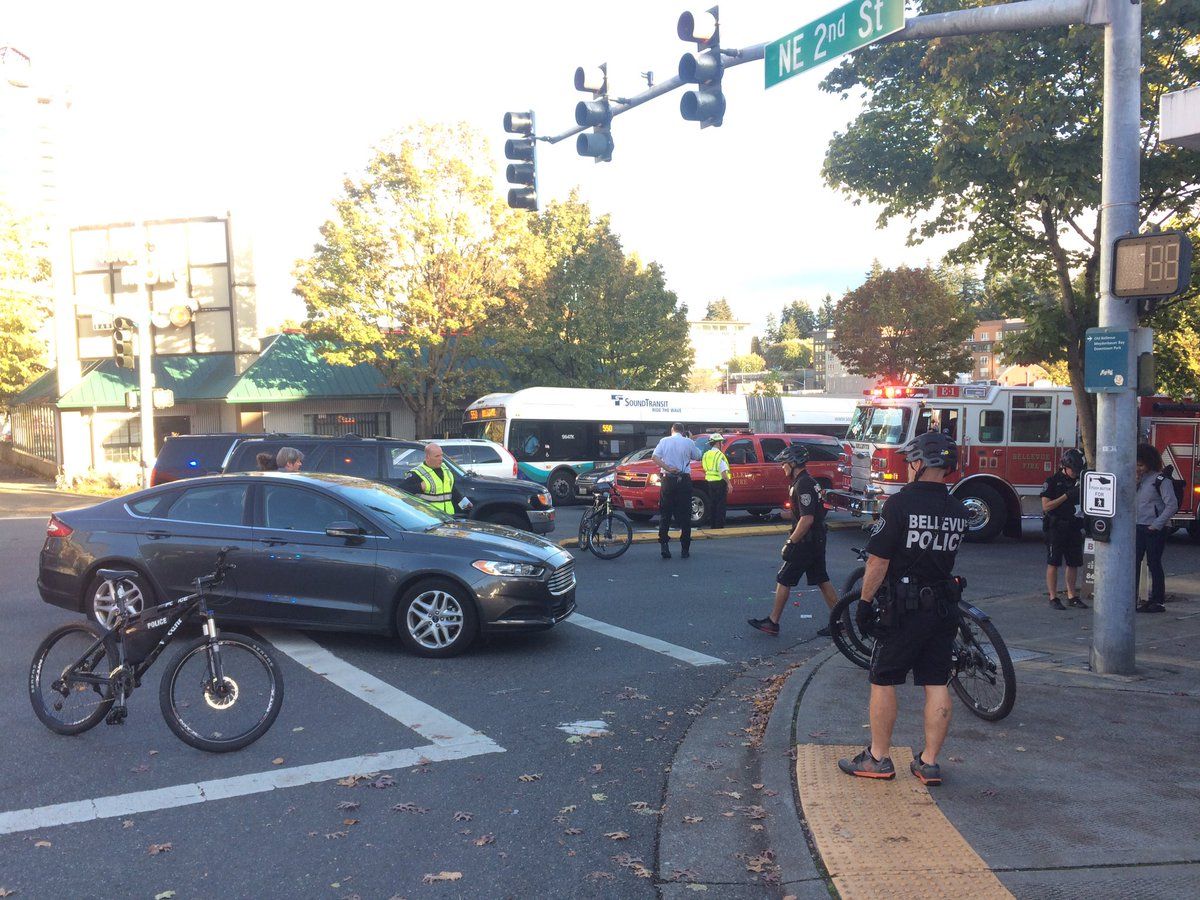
(312, 551)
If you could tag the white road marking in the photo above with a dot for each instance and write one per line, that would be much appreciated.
(674, 651)
(449, 739)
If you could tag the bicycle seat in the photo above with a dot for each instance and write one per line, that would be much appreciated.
(118, 574)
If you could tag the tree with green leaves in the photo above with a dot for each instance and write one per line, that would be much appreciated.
(24, 273)
(903, 324)
(418, 254)
(790, 354)
(801, 316)
(587, 314)
(825, 312)
(747, 362)
(1001, 134)
(719, 311)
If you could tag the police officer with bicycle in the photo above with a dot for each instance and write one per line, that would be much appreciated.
(910, 606)
(1063, 526)
(716, 479)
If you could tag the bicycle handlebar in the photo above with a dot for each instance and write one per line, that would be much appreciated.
(218, 574)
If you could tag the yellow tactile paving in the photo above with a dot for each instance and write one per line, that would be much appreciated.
(886, 839)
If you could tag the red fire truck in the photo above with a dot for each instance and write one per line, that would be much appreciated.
(1173, 427)
(1010, 441)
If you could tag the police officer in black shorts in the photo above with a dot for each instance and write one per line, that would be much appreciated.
(915, 616)
(1063, 528)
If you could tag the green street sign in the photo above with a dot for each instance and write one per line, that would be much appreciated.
(847, 28)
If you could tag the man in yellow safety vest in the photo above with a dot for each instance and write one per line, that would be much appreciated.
(716, 479)
(433, 482)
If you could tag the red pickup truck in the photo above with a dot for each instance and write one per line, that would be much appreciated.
(757, 482)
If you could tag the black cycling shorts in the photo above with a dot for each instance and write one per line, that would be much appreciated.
(1064, 546)
(923, 644)
(808, 559)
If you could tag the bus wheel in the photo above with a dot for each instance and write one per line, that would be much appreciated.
(561, 485)
(699, 508)
(986, 513)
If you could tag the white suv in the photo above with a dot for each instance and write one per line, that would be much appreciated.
(480, 456)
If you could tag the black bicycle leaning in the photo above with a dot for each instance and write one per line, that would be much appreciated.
(604, 529)
(981, 668)
(221, 692)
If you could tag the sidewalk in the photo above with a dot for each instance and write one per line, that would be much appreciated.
(1089, 788)
(24, 495)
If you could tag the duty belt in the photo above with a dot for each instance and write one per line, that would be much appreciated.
(914, 595)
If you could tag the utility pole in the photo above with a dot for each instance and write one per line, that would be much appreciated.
(145, 353)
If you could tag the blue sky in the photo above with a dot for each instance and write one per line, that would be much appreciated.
(261, 108)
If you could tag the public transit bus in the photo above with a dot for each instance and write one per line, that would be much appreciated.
(559, 433)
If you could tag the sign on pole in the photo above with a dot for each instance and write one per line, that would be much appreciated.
(847, 28)
(1106, 361)
(1099, 494)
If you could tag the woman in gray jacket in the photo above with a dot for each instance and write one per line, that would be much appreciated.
(1155, 503)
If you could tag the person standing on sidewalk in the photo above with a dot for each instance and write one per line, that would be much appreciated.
(804, 551)
(1062, 525)
(1155, 502)
(674, 455)
(915, 617)
(716, 479)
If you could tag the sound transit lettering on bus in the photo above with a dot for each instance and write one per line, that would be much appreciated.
(643, 403)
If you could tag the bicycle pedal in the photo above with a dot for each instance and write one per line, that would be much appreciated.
(116, 717)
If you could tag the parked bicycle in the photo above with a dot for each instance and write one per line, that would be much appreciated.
(604, 529)
(221, 692)
(982, 672)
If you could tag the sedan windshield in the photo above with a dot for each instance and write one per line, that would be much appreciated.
(400, 509)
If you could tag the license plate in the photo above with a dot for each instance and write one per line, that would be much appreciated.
(629, 504)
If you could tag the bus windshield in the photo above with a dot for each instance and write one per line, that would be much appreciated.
(489, 430)
(879, 424)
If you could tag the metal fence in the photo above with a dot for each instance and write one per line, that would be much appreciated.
(33, 431)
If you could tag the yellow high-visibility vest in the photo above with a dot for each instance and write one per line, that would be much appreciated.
(711, 461)
(439, 492)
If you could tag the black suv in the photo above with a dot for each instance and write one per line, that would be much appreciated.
(503, 501)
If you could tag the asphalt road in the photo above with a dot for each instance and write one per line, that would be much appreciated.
(554, 833)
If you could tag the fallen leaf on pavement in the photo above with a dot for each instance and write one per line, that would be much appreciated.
(596, 769)
(757, 828)
(442, 876)
(335, 835)
(639, 805)
(567, 809)
(573, 831)
(1020, 749)
(529, 778)
(617, 835)
(349, 821)
(277, 761)
(734, 794)
(485, 839)
(704, 887)
(409, 808)
(692, 820)
(574, 739)
(463, 817)
(353, 780)
(1059, 737)
(165, 895)
(384, 781)
(5, 892)
(727, 815)
(600, 876)
(758, 787)
(42, 844)
(348, 805)
(155, 849)
(599, 798)
(752, 812)
(154, 753)
(127, 823)
(140, 768)
(760, 863)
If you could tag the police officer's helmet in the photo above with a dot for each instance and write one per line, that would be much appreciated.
(933, 450)
(796, 454)
(1073, 459)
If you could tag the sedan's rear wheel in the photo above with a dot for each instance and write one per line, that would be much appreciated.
(437, 618)
(105, 599)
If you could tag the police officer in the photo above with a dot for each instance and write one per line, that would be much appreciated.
(674, 454)
(1063, 527)
(716, 478)
(434, 483)
(914, 618)
(804, 551)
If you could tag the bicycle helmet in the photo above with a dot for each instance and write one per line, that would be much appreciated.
(933, 450)
(1073, 459)
(716, 439)
(796, 454)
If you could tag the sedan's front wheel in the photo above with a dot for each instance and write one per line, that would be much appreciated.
(437, 618)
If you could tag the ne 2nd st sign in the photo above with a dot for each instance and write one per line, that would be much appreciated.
(847, 28)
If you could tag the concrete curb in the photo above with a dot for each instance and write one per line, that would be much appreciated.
(709, 534)
(794, 853)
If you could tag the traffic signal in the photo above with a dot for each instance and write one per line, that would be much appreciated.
(595, 113)
(522, 172)
(703, 68)
(122, 341)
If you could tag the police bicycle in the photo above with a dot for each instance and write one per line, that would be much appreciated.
(604, 529)
(981, 670)
(221, 692)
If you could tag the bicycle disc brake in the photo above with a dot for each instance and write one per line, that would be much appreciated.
(221, 696)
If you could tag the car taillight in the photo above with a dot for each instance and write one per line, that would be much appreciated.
(514, 468)
(56, 527)
(157, 477)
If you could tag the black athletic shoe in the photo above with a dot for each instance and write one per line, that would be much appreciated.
(929, 774)
(1055, 603)
(666, 552)
(867, 766)
(685, 554)
(1151, 608)
(765, 625)
(1077, 603)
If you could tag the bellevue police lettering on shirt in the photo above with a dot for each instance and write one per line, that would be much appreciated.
(935, 532)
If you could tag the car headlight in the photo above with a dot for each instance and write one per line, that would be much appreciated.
(606, 479)
(508, 569)
(543, 499)
(654, 479)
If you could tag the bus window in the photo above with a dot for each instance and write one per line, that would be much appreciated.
(525, 441)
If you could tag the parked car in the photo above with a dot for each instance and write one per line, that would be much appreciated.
(585, 484)
(312, 551)
(191, 456)
(480, 457)
(757, 482)
(501, 501)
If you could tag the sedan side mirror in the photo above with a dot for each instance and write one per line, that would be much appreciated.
(347, 530)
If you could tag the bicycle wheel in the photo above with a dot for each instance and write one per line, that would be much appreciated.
(226, 716)
(610, 536)
(843, 630)
(864, 643)
(585, 530)
(65, 706)
(983, 671)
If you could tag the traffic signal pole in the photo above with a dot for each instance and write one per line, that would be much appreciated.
(145, 368)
